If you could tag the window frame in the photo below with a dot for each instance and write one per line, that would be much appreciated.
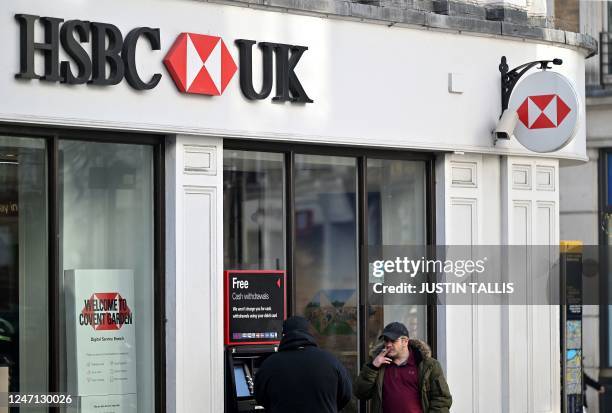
(362, 154)
(604, 330)
(51, 136)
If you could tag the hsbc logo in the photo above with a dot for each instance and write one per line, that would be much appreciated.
(200, 64)
(543, 111)
(106, 311)
(197, 63)
(548, 110)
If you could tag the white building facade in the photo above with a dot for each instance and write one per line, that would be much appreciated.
(182, 176)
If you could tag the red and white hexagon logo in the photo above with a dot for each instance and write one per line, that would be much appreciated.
(543, 111)
(106, 311)
(548, 109)
(200, 64)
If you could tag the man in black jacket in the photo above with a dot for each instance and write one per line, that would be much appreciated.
(301, 378)
(589, 381)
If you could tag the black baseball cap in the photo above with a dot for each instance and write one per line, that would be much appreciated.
(393, 331)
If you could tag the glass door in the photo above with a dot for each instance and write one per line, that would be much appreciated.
(326, 253)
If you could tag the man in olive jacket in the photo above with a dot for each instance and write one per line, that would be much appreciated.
(403, 377)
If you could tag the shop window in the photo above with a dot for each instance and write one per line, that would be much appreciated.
(253, 204)
(80, 310)
(605, 271)
(24, 332)
(396, 216)
(301, 209)
(605, 308)
(107, 259)
(609, 180)
(606, 228)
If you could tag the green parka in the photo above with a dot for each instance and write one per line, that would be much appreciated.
(435, 394)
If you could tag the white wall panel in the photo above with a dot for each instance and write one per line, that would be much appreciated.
(521, 224)
(509, 353)
(464, 221)
(530, 217)
(460, 321)
(518, 348)
(470, 335)
(461, 376)
(488, 317)
(200, 299)
(543, 327)
(545, 318)
(489, 359)
(194, 288)
(517, 390)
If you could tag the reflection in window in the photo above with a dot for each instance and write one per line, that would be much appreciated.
(23, 266)
(396, 216)
(326, 270)
(106, 223)
(253, 207)
(609, 180)
(608, 229)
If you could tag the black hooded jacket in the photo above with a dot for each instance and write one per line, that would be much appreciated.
(302, 378)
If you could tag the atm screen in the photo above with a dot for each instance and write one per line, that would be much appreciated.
(242, 388)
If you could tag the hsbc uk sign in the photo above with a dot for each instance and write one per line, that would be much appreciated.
(197, 63)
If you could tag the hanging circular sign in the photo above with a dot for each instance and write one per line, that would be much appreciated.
(547, 107)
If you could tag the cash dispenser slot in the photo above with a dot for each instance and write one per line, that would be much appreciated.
(242, 363)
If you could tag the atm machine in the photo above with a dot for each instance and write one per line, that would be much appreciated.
(255, 308)
(241, 365)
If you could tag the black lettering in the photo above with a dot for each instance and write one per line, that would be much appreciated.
(102, 55)
(29, 46)
(77, 53)
(246, 68)
(282, 80)
(287, 81)
(129, 57)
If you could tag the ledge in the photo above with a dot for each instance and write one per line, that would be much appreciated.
(510, 26)
(598, 95)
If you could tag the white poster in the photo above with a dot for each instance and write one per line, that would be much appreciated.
(101, 340)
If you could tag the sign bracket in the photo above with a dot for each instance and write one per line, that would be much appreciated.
(509, 78)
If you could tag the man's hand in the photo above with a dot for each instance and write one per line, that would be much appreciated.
(382, 359)
(602, 390)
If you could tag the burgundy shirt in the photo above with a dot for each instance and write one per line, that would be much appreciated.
(401, 388)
